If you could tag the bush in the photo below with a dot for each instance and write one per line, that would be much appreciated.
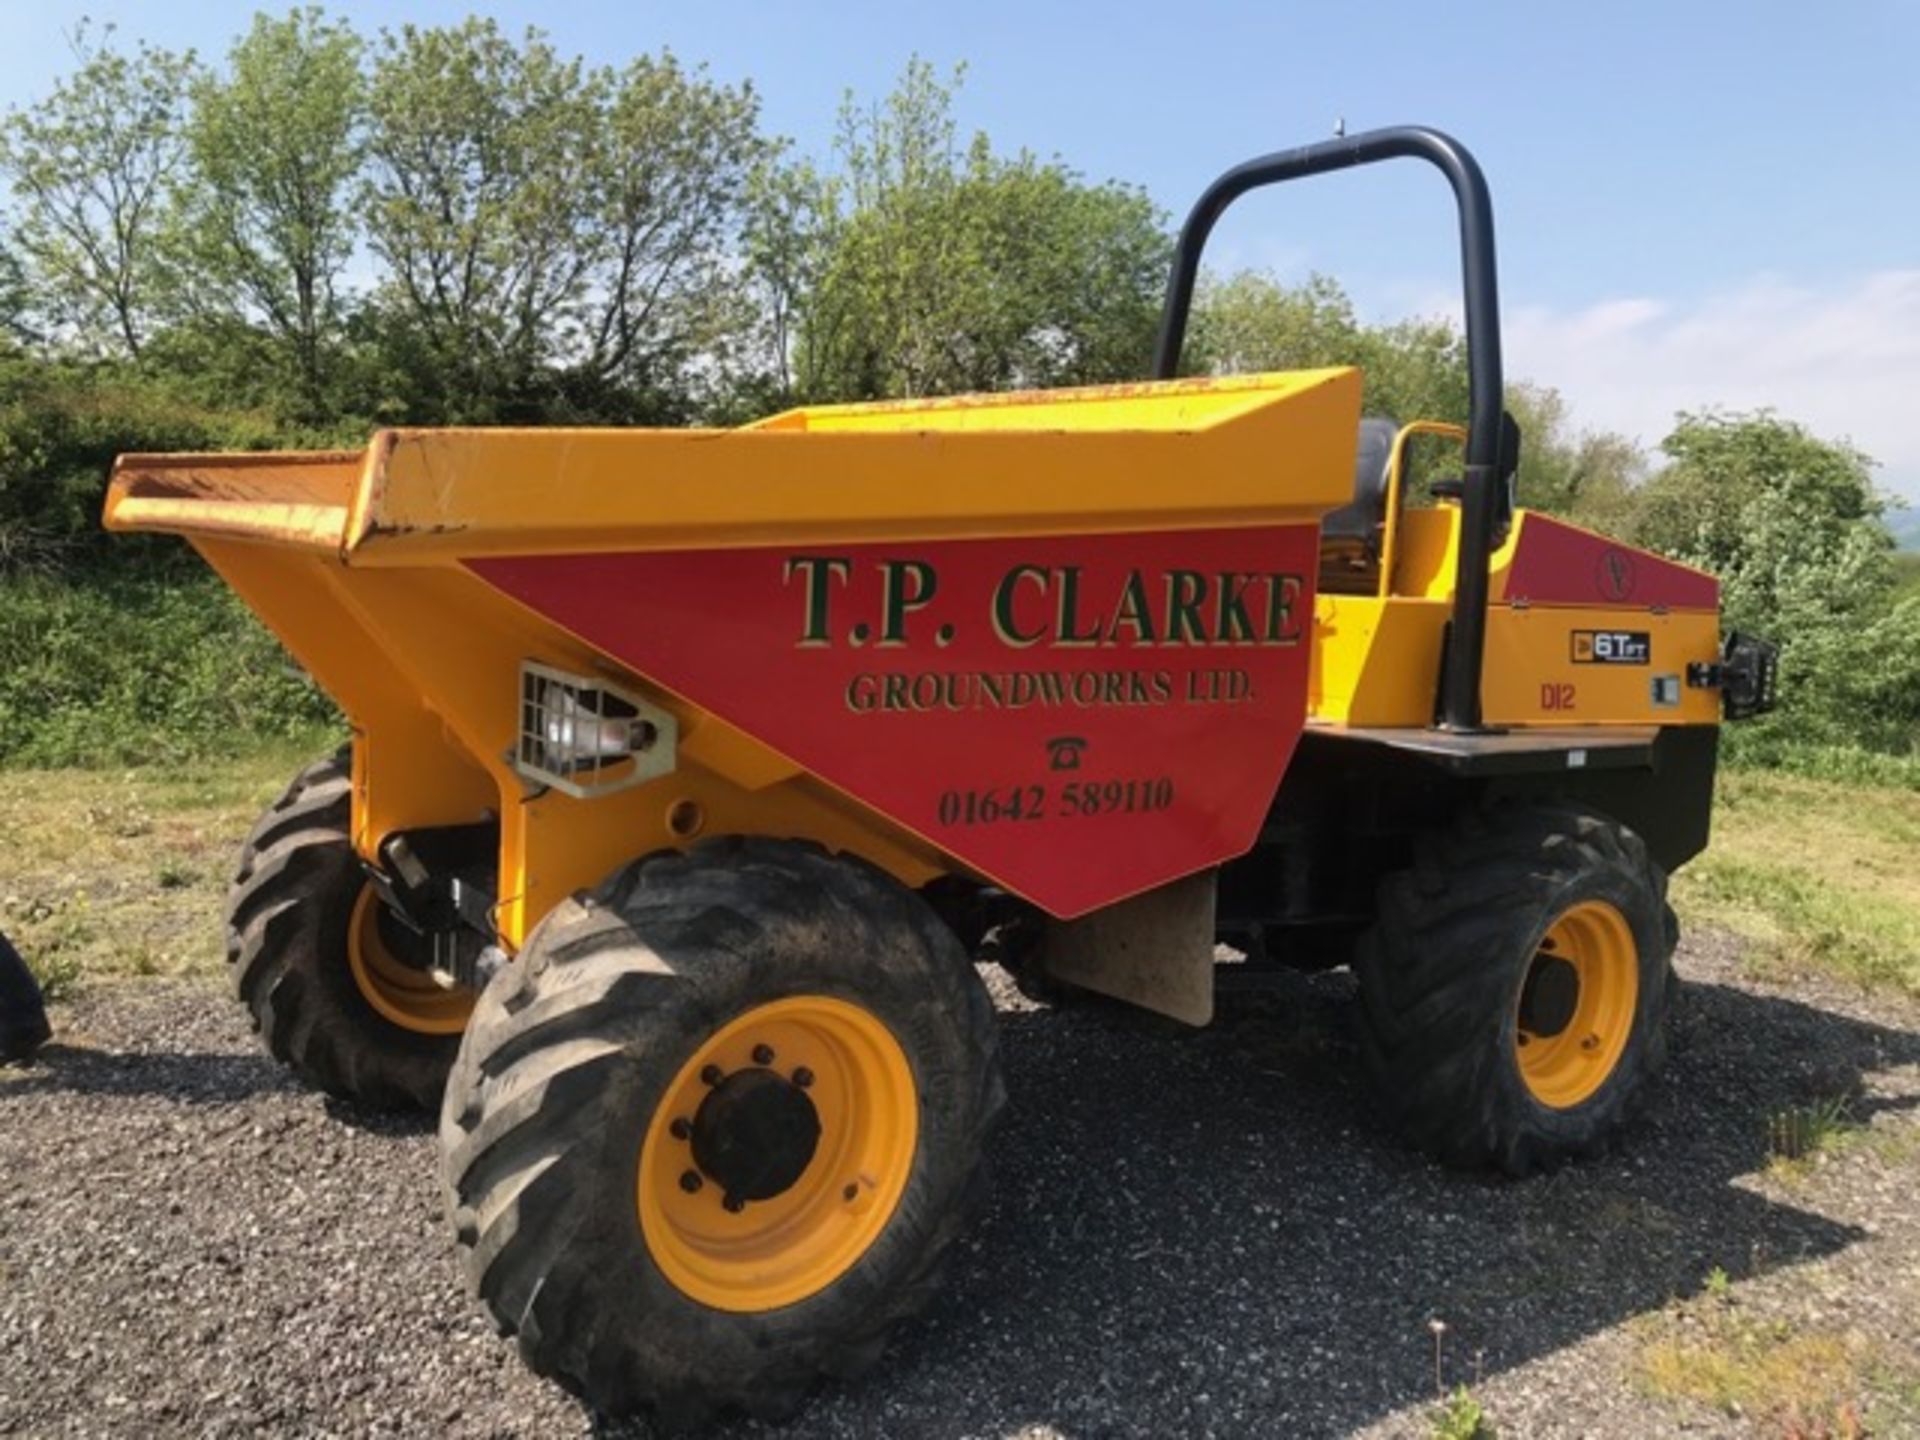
(61, 425)
(122, 648)
(122, 669)
(1792, 526)
(1772, 745)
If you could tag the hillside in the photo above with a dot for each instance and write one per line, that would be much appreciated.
(1905, 524)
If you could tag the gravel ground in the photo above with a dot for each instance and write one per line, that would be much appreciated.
(1191, 1233)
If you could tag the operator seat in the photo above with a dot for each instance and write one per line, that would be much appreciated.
(1350, 537)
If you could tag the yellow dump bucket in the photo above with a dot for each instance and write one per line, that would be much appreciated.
(1059, 640)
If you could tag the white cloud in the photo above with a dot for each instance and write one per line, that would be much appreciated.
(1844, 361)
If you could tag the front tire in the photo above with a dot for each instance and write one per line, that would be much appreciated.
(311, 952)
(712, 1133)
(1516, 986)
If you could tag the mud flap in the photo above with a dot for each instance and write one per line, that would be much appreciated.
(1154, 950)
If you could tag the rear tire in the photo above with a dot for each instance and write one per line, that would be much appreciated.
(301, 922)
(1018, 948)
(23, 1011)
(594, 1226)
(1516, 987)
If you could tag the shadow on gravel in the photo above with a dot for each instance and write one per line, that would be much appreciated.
(196, 1079)
(1211, 1231)
(381, 1122)
(189, 1078)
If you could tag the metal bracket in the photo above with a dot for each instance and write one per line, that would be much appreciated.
(1747, 675)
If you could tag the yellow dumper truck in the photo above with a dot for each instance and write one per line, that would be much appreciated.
(691, 770)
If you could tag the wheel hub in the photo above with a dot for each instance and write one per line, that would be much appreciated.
(1575, 1011)
(777, 1153)
(383, 957)
(1552, 994)
(755, 1134)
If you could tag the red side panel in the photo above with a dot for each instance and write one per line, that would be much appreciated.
(1555, 563)
(1080, 718)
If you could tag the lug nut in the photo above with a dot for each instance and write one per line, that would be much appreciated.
(851, 1191)
(690, 1181)
(680, 1130)
(712, 1075)
(803, 1077)
(1592, 1042)
(763, 1054)
(733, 1204)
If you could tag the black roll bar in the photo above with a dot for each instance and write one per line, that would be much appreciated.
(1481, 503)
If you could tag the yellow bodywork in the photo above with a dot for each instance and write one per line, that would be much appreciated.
(354, 560)
(1375, 657)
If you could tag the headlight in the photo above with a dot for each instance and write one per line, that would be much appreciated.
(585, 737)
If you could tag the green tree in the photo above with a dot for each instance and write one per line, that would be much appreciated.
(265, 214)
(787, 240)
(16, 326)
(1728, 471)
(667, 187)
(1413, 370)
(1589, 476)
(945, 269)
(1792, 526)
(478, 146)
(558, 239)
(1092, 261)
(89, 166)
(62, 421)
(1249, 322)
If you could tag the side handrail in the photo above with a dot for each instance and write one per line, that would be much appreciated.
(1396, 487)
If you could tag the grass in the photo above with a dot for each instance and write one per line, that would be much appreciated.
(1823, 1127)
(1763, 746)
(120, 873)
(1789, 1380)
(1461, 1417)
(1804, 1382)
(1801, 1138)
(137, 668)
(1817, 874)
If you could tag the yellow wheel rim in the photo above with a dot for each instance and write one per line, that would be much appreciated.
(400, 993)
(742, 1101)
(1576, 1041)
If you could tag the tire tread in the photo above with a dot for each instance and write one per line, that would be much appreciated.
(588, 978)
(1432, 982)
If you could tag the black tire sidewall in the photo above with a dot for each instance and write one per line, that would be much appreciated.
(662, 957)
(684, 1330)
(1441, 972)
(288, 922)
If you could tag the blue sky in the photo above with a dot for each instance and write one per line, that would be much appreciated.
(1697, 203)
